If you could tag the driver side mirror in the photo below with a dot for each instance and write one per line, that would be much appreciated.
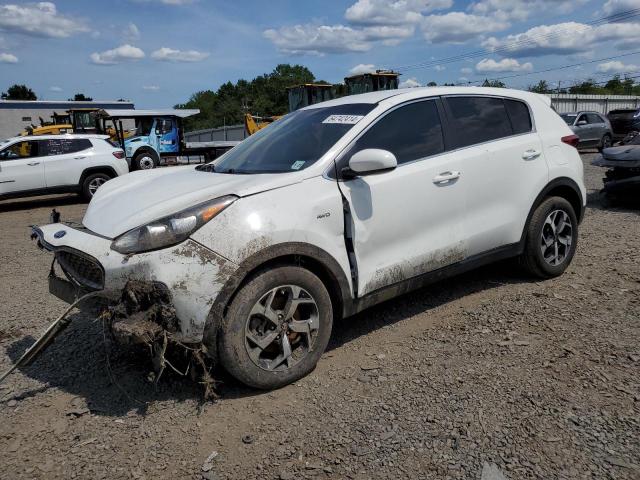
(581, 123)
(369, 161)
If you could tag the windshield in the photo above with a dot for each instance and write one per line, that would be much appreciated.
(294, 142)
(569, 117)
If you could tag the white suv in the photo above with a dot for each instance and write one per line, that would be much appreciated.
(40, 165)
(332, 209)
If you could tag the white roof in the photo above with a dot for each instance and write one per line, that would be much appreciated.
(150, 113)
(403, 94)
(51, 137)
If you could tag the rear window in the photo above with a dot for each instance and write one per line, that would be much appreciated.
(519, 115)
(479, 119)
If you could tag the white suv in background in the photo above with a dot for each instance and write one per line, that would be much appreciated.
(328, 211)
(40, 165)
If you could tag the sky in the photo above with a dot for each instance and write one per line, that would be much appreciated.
(157, 53)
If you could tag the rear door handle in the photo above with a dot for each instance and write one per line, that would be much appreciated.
(31, 164)
(445, 177)
(79, 158)
(531, 154)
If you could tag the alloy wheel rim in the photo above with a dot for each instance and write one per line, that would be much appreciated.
(146, 163)
(281, 328)
(95, 184)
(556, 237)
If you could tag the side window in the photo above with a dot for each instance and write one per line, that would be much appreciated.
(582, 118)
(64, 146)
(479, 119)
(410, 132)
(26, 149)
(519, 115)
(593, 118)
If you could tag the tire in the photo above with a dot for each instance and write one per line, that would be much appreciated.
(145, 161)
(92, 183)
(533, 259)
(245, 324)
(606, 142)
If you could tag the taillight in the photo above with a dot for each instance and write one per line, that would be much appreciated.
(572, 140)
(118, 154)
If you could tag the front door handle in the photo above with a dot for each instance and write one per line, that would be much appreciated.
(78, 158)
(531, 154)
(32, 164)
(446, 177)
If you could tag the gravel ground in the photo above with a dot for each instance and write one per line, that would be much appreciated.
(488, 375)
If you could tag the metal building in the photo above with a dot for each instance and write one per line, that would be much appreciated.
(15, 115)
(568, 102)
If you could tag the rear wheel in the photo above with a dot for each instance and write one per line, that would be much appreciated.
(92, 183)
(276, 328)
(606, 142)
(145, 161)
(552, 237)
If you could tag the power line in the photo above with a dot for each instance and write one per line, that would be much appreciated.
(530, 40)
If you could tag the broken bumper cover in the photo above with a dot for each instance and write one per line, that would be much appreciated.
(192, 273)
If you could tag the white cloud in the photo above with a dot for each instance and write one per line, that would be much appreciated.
(39, 19)
(385, 12)
(613, 7)
(168, 2)
(505, 65)
(8, 58)
(565, 38)
(459, 27)
(166, 54)
(362, 68)
(463, 80)
(151, 88)
(410, 83)
(466, 70)
(55, 89)
(439, 68)
(520, 10)
(120, 54)
(318, 40)
(617, 66)
(131, 33)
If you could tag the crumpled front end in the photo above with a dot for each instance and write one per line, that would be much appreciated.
(623, 169)
(180, 281)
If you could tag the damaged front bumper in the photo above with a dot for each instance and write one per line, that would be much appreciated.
(622, 176)
(189, 275)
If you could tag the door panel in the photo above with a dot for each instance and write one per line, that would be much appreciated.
(404, 224)
(407, 221)
(21, 167)
(500, 190)
(65, 161)
(169, 136)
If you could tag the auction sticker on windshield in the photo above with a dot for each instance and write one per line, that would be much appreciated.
(343, 119)
(297, 165)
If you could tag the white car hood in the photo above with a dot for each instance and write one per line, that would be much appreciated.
(140, 197)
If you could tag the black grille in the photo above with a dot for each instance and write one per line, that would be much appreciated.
(84, 270)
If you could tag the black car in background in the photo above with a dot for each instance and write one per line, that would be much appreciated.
(624, 121)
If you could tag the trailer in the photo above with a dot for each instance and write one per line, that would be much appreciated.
(156, 137)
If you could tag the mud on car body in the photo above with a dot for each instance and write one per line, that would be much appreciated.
(332, 209)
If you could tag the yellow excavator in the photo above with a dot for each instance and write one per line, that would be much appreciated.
(253, 123)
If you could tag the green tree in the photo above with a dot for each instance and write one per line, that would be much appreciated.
(541, 87)
(80, 97)
(18, 92)
(493, 83)
(432, 84)
(264, 95)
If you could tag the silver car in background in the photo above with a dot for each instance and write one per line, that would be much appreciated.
(593, 128)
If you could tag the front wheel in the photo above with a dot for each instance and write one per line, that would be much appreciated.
(276, 328)
(552, 237)
(144, 161)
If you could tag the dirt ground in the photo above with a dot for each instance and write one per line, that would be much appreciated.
(488, 375)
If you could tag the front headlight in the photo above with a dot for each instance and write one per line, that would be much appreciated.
(170, 230)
